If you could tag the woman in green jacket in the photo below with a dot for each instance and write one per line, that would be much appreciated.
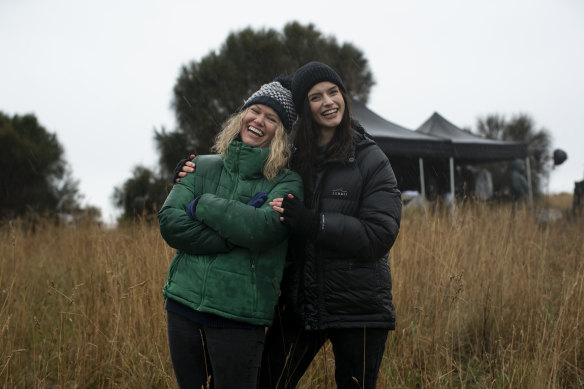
(223, 284)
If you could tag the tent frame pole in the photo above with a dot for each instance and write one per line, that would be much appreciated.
(422, 183)
(451, 160)
(528, 171)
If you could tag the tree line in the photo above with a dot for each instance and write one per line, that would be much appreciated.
(36, 177)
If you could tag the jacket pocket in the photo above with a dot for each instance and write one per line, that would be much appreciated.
(356, 288)
(172, 269)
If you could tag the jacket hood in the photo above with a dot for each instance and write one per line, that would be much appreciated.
(361, 137)
(518, 165)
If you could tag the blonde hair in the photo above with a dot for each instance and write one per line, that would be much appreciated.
(279, 150)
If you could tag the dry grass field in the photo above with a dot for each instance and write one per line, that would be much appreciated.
(493, 300)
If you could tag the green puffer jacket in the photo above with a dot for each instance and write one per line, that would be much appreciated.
(230, 261)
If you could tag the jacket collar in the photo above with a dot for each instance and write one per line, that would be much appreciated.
(246, 161)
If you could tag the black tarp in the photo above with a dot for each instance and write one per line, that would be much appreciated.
(435, 138)
(469, 148)
(434, 142)
(398, 141)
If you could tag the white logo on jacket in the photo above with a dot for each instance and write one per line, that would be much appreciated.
(340, 192)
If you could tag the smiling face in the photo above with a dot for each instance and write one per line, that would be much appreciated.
(326, 104)
(259, 125)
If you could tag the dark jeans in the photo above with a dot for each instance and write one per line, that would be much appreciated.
(290, 349)
(229, 356)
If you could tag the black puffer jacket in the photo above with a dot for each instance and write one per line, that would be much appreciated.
(342, 279)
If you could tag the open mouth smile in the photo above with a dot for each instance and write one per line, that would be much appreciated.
(330, 112)
(255, 131)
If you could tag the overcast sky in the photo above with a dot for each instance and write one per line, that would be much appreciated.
(100, 74)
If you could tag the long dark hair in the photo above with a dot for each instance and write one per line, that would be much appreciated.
(306, 133)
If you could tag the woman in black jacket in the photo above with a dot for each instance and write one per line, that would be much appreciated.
(337, 282)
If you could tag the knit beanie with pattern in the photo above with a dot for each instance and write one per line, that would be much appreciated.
(309, 75)
(276, 95)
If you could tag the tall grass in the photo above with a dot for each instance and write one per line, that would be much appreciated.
(494, 300)
(82, 307)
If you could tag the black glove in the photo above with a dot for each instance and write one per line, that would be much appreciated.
(178, 169)
(301, 220)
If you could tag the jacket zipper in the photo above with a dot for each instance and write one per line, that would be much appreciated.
(319, 179)
(236, 173)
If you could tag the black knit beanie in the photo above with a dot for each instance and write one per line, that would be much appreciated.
(276, 95)
(309, 75)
